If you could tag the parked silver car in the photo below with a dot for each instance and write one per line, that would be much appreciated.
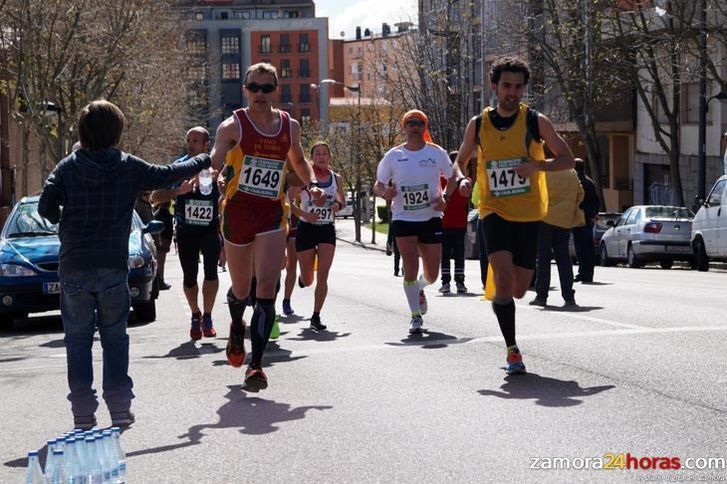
(649, 233)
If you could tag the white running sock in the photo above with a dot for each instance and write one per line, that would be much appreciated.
(411, 290)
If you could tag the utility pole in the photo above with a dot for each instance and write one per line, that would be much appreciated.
(702, 155)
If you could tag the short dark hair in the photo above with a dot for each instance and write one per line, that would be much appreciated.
(100, 125)
(508, 64)
(261, 68)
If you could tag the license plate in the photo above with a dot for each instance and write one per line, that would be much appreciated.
(678, 248)
(51, 288)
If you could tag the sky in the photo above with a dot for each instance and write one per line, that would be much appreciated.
(345, 15)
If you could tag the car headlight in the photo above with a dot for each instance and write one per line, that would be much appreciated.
(12, 270)
(136, 261)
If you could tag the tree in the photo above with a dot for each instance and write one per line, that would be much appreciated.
(661, 40)
(584, 68)
(70, 52)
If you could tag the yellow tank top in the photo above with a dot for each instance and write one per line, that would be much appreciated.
(501, 190)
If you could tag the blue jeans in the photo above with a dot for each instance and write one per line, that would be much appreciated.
(90, 299)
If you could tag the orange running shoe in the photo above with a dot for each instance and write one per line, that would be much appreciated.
(255, 379)
(514, 361)
(236, 347)
(207, 329)
(195, 331)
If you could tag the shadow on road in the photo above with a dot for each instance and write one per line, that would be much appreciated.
(189, 349)
(570, 309)
(546, 391)
(23, 328)
(430, 340)
(307, 334)
(273, 354)
(250, 415)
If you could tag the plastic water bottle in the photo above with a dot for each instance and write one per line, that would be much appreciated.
(55, 474)
(93, 469)
(205, 182)
(49, 457)
(34, 474)
(118, 454)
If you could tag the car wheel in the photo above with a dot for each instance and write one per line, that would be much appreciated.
(633, 261)
(666, 264)
(145, 312)
(605, 261)
(701, 261)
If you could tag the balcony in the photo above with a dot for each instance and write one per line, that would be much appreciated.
(264, 49)
(304, 74)
(285, 48)
(303, 47)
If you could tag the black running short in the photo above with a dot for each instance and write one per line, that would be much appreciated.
(429, 232)
(310, 235)
(518, 238)
(190, 245)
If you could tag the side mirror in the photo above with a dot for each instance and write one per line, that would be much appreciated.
(154, 227)
(610, 223)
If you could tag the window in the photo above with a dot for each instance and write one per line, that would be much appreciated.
(291, 14)
(230, 70)
(715, 197)
(286, 95)
(285, 71)
(304, 68)
(265, 44)
(241, 14)
(198, 16)
(623, 218)
(270, 14)
(231, 45)
(632, 216)
(690, 103)
(305, 93)
(224, 15)
(197, 74)
(284, 43)
(303, 45)
(197, 46)
(305, 116)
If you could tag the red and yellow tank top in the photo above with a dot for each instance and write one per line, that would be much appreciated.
(502, 191)
(255, 169)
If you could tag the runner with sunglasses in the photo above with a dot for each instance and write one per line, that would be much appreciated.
(316, 229)
(259, 140)
(417, 202)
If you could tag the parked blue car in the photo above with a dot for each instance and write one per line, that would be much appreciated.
(29, 247)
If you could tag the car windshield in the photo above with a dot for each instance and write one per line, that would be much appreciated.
(27, 222)
(668, 212)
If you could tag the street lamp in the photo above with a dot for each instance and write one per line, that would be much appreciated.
(51, 109)
(357, 188)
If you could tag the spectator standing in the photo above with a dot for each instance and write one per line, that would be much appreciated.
(564, 197)
(97, 187)
(583, 235)
(454, 230)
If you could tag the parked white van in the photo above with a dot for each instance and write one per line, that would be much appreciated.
(709, 227)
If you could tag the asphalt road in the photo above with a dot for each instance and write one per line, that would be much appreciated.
(638, 368)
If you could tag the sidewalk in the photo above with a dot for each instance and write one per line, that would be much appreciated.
(346, 232)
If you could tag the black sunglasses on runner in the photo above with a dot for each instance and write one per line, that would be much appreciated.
(413, 123)
(265, 88)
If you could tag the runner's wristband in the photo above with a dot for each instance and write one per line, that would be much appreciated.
(460, 180)
(313, 184)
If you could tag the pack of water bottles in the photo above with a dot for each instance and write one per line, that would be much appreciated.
(78, 457)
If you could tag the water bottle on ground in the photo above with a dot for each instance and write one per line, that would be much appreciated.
(55, 474)
(50, 447)
(205, 182)
(34, 474)
(118, 454)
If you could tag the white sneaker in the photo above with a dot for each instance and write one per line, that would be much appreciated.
(416, 324)
(422, 302)
(461, 288)
(445, 289)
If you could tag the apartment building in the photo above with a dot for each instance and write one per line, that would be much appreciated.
(225, 37)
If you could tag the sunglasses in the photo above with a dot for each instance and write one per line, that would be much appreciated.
(265, 88)
(415, 123)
